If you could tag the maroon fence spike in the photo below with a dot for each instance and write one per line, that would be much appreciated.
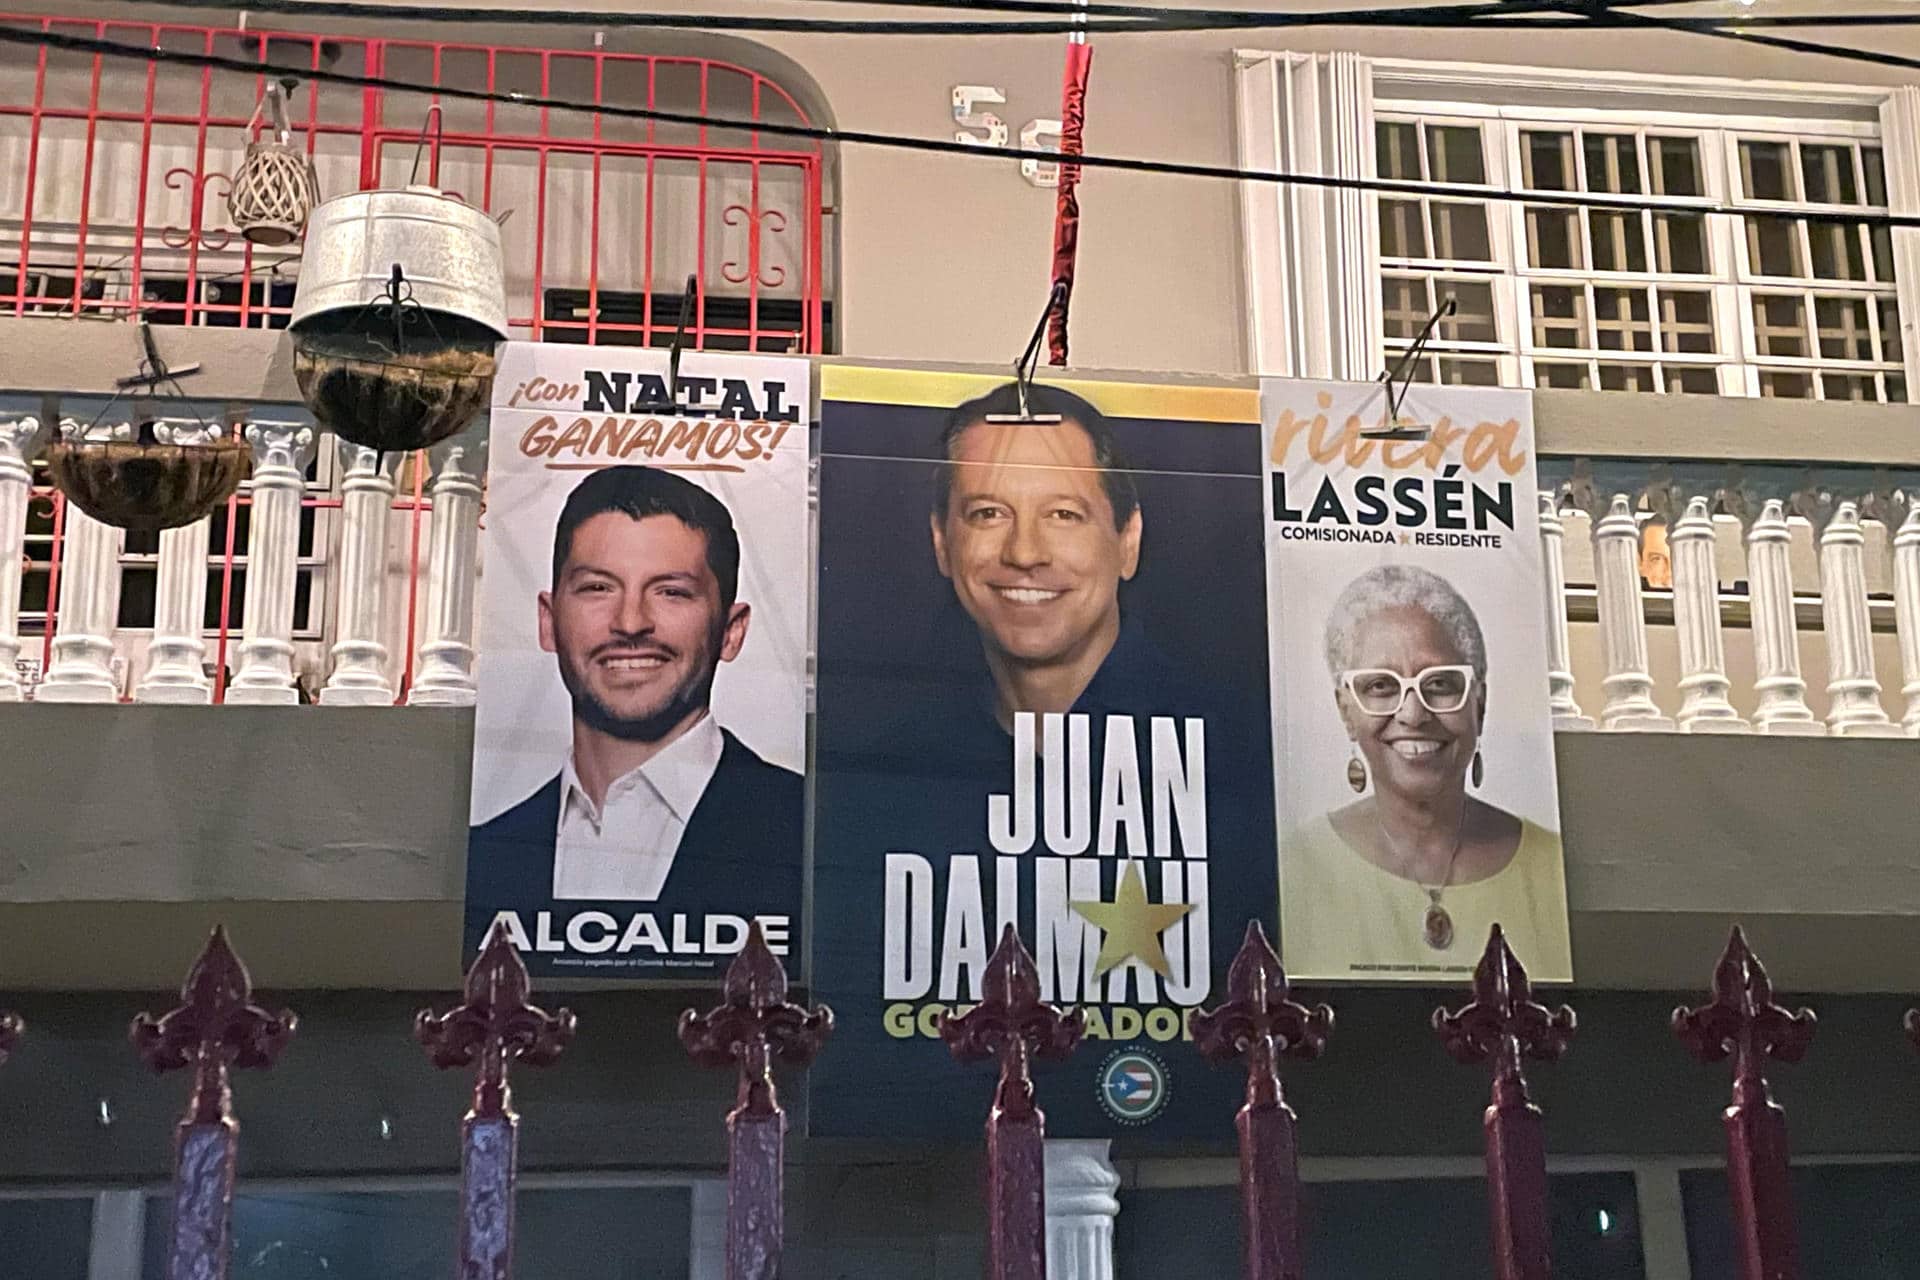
(752, 1027)
(1260, 1023)
(11, 1029)
(1743, 1023)
(1013, 1025)
(495, 1027)
(1504, 1025)
(1912, 1024)
(215, 1029)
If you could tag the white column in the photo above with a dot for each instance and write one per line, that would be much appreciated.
(19, 440)
(1782, 706)
(359, 676)
(1623, 621)
(1566, 712)
(1853, 687)
(707, 1225)
(443, 670)
(280, 454)
(119, 1235)
(1900, 145)
(174, 655)
(1906, 609)
(89, 605)
(1081, 1182)
(1663, 1222)
(1696, 616)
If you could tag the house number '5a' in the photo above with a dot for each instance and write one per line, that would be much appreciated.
(984, 129)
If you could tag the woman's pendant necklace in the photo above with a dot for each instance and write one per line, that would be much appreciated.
(1437, 926)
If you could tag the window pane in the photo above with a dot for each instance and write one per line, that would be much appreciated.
(1619, 243)
(46, 1239)
(1876, 168)
(1881, 239)
(1620, 320)
(1766, 171)
(1473, 318)
(1676, 166)
(1553, 238)
(1627, 377)
(1546, 161)
(139, 586)
(1613, 163)
(1403, 231)
(1460, 232)
(1836, 251)
(1848, 386)
(1781, 385)
(1680, 244)
(1559, 316)
(1890, 344)
(1396, 148)
(1842, 324)
(1404, 305)
(1686, 320)
(1570, 377)
(1896, 389)
(1773, 246)
(1420, 370)
(1456, 372)
(1828, 174)
(1779, 325)
(1453, 153)
(1692, 381)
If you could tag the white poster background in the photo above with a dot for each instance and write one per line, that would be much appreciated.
(523, 717)
(1504, 588)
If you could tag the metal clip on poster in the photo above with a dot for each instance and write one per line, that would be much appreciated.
(1029, 361)
(671, 405)
(1400, 377)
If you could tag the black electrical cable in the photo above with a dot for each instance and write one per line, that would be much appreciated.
(1733, 31)
(939, 146)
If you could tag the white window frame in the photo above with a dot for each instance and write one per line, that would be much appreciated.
(1290, 102)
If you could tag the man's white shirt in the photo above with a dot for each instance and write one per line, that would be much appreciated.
(623, 850)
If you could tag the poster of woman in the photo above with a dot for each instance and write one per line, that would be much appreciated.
(1418, 795)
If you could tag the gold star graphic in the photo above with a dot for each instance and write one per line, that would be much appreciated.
(1130, 925)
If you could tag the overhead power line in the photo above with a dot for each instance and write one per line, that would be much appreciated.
(939, 146)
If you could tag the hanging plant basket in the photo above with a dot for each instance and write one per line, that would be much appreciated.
(275, 188)
(393, 402)
(141, 479)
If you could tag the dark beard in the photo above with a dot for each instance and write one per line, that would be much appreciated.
(695, 693)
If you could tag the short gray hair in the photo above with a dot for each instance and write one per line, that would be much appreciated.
(1403, 586)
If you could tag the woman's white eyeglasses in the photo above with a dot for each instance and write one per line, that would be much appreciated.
(1380, 692)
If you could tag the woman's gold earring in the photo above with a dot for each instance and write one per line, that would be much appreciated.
(1357, 771)
(1479, 770)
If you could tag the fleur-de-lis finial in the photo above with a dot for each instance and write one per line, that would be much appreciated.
(1504, 1023)
(1260, 1020)
(496, 1026)
(754, 1025)
(1012, 1024)
(215, 1028)
(11, 1029)
(1743, 1022)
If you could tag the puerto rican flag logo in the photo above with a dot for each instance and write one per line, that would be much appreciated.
(1133, 1087)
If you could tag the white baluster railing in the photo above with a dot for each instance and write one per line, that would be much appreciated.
(1560, 701)
(1782, 706)
(280, 454)
(443, 672)
(1704, 685)
(20, 437)
(175, 653)
(1906, 608)
(89, 605)
(359, 676)
(1853, 686)
(1623, 622)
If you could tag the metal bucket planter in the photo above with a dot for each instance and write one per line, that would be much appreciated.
(275, 188)
(157, 475)
(402, 297)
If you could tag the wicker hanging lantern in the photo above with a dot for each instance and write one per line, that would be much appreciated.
(275, 187)
(402, 299)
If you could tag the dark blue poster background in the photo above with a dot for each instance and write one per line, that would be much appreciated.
(908, 750)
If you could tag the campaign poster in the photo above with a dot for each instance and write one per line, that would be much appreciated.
(1042, 702)
(640, 730)
(1418, 803)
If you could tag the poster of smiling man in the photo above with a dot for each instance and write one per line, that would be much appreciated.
(1419, 798)
(640, 732)
(1042, 702)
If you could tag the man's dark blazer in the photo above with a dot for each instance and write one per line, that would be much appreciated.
(740, 853)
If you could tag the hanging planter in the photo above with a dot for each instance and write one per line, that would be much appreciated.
(401, 301)
(275, 188)
(150, 475)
